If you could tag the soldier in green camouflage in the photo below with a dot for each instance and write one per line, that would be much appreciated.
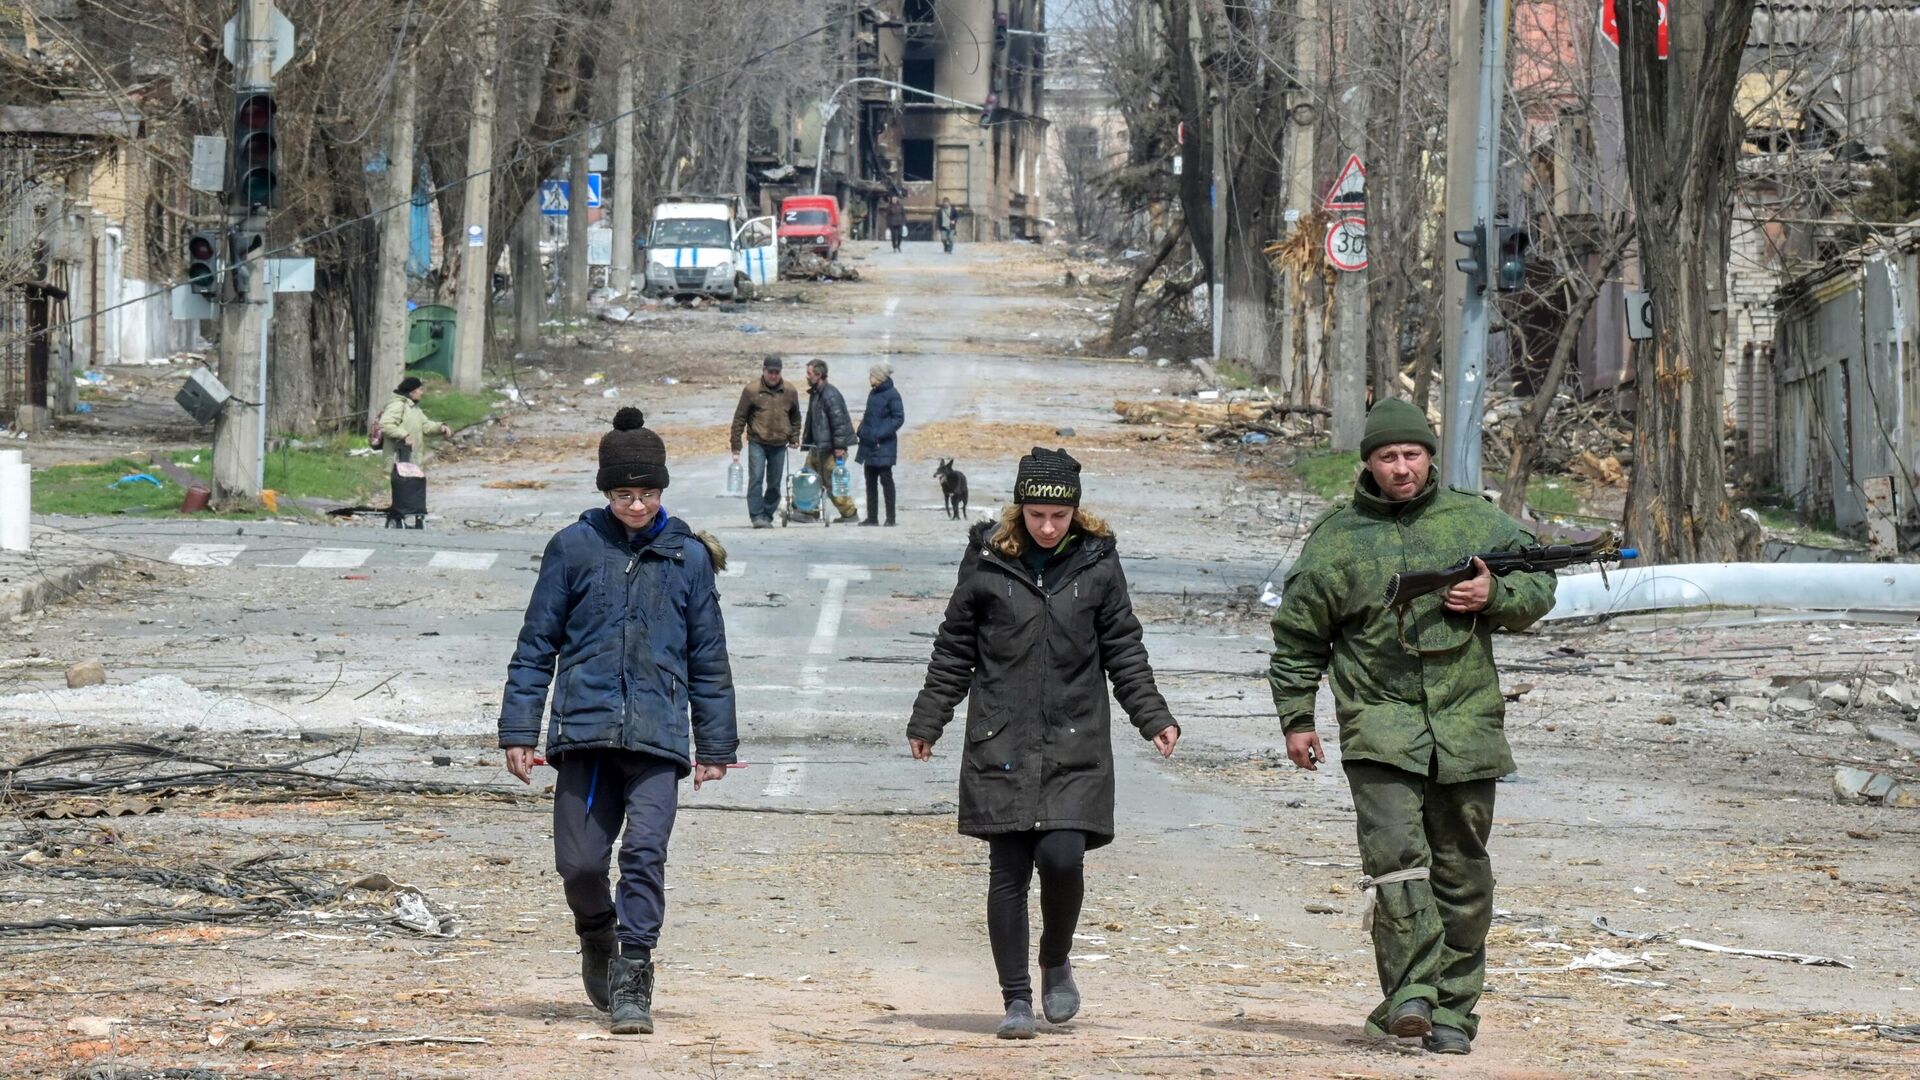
(1422, 735)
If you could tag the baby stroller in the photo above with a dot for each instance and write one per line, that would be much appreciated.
(806, 500)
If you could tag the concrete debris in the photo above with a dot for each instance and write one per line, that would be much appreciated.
(1854, 785)
(806, 266)
(86, 673)
(1609, 960)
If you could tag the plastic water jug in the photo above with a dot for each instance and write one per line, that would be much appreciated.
(736, 479)
(806, 492)
(842, 481)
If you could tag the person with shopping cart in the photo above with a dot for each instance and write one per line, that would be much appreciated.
(828, 434)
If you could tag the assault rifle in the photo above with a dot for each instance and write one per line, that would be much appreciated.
(1403, 588)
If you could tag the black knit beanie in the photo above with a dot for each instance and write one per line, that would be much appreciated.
(407, 386)
(1047, 476)
(630, 455)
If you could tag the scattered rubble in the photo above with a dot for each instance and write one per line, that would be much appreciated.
(806, 266)
(1211, 419)
(86, 673)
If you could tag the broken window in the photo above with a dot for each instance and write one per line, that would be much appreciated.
(916, 159)
(918, 73)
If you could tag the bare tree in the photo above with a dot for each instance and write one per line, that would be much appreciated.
(1681, 141)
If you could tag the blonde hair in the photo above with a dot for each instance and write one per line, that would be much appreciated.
(1009, 535)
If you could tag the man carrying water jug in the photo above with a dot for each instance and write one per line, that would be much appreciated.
(828, 435)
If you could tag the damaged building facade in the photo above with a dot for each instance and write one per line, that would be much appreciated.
(942, 101)
(1844, 414)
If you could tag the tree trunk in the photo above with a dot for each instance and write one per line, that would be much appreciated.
(1123, 312)
(529, 278)
(1681, 142)
(1526, 436)
(293, 407)
(395, 199)
(573, 278)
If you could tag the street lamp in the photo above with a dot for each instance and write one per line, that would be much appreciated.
(828, 108)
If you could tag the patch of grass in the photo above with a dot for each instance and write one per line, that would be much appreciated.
(86, 489)
(1553, 495)
(443, 404)
(1328, 474)
(1789, 526)
(312, 470)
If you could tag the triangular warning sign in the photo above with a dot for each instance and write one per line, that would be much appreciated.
(1349, 190)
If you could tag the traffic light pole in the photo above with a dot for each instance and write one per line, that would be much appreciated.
(239, 435)
(1467, 378)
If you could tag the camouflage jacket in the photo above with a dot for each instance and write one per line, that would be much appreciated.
(1441, 715)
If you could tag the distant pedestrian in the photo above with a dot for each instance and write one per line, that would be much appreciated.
(626, 613)
(947, 220)
(896, 221)
(880, 439)
(768, 418)
(403, 438)
(1038, 624)
(829, 434)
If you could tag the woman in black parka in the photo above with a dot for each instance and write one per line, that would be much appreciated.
(1038, 623)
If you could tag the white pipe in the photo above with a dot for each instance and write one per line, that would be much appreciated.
(16, 502)
(1804, 586)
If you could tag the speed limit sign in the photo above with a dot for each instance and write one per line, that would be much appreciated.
(1347, 244)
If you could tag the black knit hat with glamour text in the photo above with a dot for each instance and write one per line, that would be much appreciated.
(1047, 476)
(630, 455)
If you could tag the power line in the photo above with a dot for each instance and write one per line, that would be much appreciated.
(296, 243)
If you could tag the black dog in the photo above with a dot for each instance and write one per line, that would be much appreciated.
(953, 485)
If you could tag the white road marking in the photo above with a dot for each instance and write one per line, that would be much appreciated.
(394, 725)
(834, 603)
(206, 554)
(462, 560)
(893, 305)
(886, 331)
(334, 558)
(786, 780)
(735, 568)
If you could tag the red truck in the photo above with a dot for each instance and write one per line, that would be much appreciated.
(811, 223)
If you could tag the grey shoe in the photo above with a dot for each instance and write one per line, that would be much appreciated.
(1413, 1019)
(596, 950)
(1019, 1020)
(1059, 997)
(632, 986)
(1448, 1040)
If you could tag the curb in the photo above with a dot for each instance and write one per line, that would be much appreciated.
(49, 586)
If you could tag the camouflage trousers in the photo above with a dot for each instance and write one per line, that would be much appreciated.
(1429, 935)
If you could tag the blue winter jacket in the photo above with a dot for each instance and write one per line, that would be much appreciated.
(629, 636)
(880, 427)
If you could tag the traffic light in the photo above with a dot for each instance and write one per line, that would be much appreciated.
(255, 177)
(203, 263)
(1511, 271)
(987, 110)
(1475, 264)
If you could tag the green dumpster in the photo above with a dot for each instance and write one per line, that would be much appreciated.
(430, 340)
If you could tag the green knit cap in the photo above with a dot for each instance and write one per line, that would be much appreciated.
(1395, 421)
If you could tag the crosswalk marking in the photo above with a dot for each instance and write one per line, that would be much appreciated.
(786, 780)
(462, 560)
(206, 554)
(329, 558)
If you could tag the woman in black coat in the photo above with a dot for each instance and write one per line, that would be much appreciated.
(1038, 624)
(879, 437)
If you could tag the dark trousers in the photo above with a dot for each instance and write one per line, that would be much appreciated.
(1060, 856)
(600, 793)
(766, 468)
(1429, 937)
(897, 233)
(878, 480)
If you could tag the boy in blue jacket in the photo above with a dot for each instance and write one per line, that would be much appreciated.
(624, 627)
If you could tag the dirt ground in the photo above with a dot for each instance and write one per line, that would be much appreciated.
(391, 911)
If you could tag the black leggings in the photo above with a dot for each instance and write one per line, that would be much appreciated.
(878, 479)
(1059, 854)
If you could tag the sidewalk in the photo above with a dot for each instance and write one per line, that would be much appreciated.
(56, 568)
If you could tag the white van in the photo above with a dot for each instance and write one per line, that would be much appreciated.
(695, 248)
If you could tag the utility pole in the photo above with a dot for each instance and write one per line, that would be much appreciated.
(620, 274)
(389, 359)
(1466, 389)
(239, 434)
(529, 277)
(1299, 357)
(573, 281)
(1217, 197)
(1347, 393)
(476, 271)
